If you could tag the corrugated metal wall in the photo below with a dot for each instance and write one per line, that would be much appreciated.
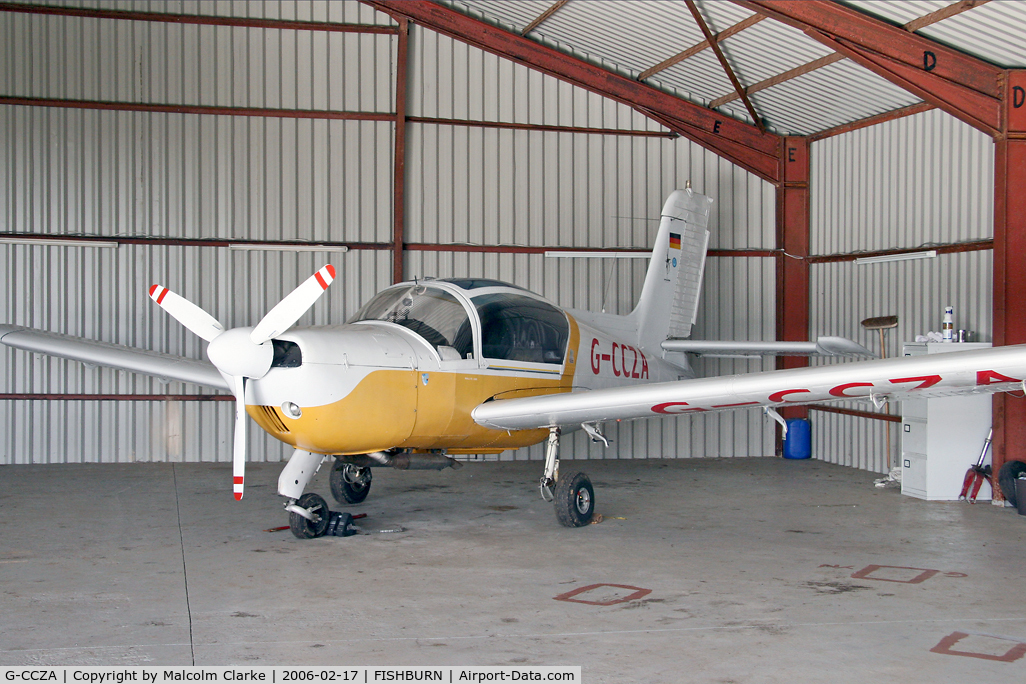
(69, 171)
(914, 182)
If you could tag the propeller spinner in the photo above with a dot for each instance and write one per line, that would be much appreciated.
(244, 354)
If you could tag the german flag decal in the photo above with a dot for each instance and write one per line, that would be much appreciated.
(674, 240)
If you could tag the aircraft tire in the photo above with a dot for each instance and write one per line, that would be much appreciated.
(303, 528)
(346, 492)
(574, 500)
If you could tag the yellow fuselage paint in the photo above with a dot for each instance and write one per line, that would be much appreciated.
(393, 408)
(389, 409)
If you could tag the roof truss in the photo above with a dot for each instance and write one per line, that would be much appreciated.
(741, 143)
(914, 25)
(964, 86)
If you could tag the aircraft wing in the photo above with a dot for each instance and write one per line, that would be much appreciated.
(113, 355)
(823, 346)
(999, 369)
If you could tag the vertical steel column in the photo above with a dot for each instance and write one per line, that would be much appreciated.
(793, 266)
(399, 170)
(1009, 256)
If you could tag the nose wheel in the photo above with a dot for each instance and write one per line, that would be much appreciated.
(309, 516)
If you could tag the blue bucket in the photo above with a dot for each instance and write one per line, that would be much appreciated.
(799, 439)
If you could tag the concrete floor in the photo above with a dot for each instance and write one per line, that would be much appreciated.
(749, 563)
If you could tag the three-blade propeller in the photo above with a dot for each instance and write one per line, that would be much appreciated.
(243, 354)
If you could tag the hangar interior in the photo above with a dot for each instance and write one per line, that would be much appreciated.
(206, 145)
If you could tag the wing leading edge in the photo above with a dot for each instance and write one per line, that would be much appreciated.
(113, 355)
(1000, 369)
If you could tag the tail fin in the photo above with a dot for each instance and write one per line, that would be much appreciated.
(668, 304)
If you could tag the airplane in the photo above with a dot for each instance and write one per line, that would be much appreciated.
(432, 369)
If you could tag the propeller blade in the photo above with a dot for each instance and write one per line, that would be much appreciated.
(296, 303)
(239, 454)
(185, 312)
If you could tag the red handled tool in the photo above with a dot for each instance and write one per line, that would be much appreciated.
(975, 476)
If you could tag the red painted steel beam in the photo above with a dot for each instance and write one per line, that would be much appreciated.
(189, 242)
(399, 157)
(199, 19)
(525, 249)
(37, 396)
(872, 121)
(741, 143)
(948, 248)
(1009, 414)
(544, 128)
(964, 86)
(793, 290)
(205, 110)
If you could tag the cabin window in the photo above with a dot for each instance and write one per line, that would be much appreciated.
(519, 328)
(434, 314)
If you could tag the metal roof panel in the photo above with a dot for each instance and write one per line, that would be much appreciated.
(833, 95)
(995, 32)
(767, 49)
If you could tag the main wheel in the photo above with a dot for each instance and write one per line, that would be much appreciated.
(349, 484)
(574, 500)
(307, 529)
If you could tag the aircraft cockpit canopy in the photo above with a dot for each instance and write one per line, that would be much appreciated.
(514, 327)
(519, 328)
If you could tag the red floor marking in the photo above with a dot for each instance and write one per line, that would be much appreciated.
(924, 574)
(569, 596)
(1014, 653)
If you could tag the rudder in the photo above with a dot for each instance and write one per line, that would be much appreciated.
(669, 298)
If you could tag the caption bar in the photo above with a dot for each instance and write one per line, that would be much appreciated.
(285, 675)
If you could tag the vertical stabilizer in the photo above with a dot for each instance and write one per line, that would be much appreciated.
(669, 299)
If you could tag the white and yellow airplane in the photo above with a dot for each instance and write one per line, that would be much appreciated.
(432, 369)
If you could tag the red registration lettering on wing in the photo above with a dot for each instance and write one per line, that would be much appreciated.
(923, 380)
(839, 390)
(989, 377)
(779, 396)
(674, 407)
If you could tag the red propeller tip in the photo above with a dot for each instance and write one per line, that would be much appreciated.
(331, 271)
(153, 288)
(238, 496)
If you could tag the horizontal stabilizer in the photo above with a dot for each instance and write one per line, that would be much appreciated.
(823, 346)
(113, 355)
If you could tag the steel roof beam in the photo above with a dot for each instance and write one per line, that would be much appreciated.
(964, 86)
(739, 142)
(709, 38)
(543, 16)
(698, 47)
(914, 25)
(872, 120)
(199, 19)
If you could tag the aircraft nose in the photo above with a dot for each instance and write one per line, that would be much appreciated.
(233, 353)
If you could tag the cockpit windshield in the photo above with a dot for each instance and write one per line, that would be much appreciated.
(434, 314)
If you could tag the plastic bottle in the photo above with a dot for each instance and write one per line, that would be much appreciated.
(948, 323)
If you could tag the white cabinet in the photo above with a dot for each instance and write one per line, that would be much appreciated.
(941, 438)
